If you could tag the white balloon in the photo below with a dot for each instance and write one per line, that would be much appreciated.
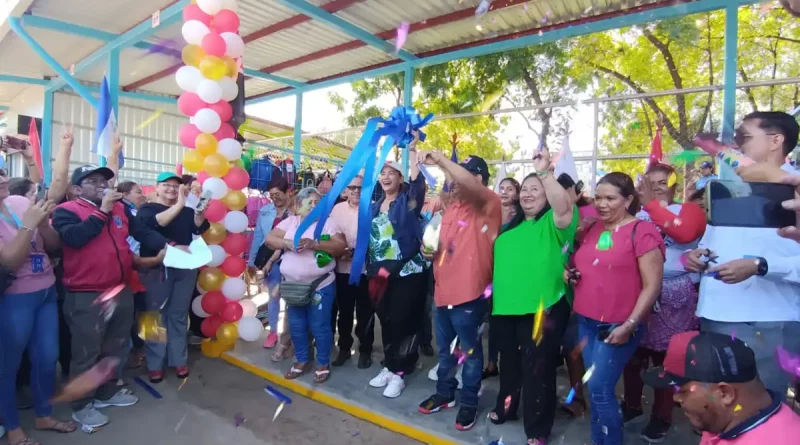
(231, 149)
(200, 290)
(229, 88)
(250, 328)
(233, 288)
(234, 45)
(209, 90)
(210, 7)
(193, 31)
(188, 77)
(249, 308)
(216, 186)
(197, 308)
(235, 222)
(207, 120)
(218, 254)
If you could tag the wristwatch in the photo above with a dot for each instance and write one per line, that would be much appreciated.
(763, 267)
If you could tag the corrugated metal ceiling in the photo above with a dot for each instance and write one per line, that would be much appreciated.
(454, 20)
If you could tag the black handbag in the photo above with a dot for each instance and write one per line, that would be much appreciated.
(262, 256)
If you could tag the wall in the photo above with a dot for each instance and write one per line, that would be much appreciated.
(148, 151)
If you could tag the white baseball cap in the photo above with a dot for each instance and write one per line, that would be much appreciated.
(394, 165)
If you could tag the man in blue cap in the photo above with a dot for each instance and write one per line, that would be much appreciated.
(706, 174)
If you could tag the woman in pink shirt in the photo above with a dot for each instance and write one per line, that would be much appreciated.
(28, 310)
(299, 265)
(620, 262)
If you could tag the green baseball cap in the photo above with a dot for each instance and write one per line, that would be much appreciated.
(166, 176)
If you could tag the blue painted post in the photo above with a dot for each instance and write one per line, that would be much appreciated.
(113, 88)
(298, 130)
(729, 84)
(408, 101)
(47, 136)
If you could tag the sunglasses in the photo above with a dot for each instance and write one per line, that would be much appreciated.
(740, 138)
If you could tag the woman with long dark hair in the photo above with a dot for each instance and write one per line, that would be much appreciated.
(530, 310)
(620, 262)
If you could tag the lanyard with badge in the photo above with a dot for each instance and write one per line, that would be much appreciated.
(37, 259)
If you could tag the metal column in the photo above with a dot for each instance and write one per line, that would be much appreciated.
(47, 136)
(408, 101)
(298, 130)
(729, 82)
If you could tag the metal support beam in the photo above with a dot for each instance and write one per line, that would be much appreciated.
(319, 14)
(729, 83)
(273, 78)
(298, 130)
(35, 21)
(47, 136)
(25, 80)
(142, 31)
(515, 42)
(15, 25)
(408, 101)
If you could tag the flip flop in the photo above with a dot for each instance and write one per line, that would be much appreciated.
(294, 373)
(25, 441)
(321, 375)
(61, 427)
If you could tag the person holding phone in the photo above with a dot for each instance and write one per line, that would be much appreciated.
(750, 287)
(170, 290)
(620, 260)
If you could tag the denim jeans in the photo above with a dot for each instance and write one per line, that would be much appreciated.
(463, 321)
(608, 361)
(317, 316)
(28, 320)
(273, 281)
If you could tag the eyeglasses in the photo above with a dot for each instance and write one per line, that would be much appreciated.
(97, 182)
(354, 188)
(170, 186)
(740, 138)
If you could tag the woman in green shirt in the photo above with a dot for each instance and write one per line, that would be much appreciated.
(530, 309)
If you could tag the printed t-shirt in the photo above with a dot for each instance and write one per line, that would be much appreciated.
(345, 220)
(383, 246)
(466, 240)
(780, 428)
(36, 272)
(610, 282)
(302, 267)
(527, 275)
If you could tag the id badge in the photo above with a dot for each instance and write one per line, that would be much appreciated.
(37, 263)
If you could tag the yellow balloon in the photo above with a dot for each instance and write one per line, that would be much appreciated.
(235, 200)
(193, 161)
(231, 66)
(206, 144)
(215, 234)
(211, 348)
(227, 333)
(211, 279)
(192, 55)
(216, 165)
(212, 67)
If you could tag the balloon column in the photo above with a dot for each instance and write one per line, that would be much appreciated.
(209, 82)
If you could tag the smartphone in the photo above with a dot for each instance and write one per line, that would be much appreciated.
(41, 193)
(748, 204)
(204, 200)
(604, 330)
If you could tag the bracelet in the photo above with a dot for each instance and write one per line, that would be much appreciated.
(543, 174)
(24, 227)
(632, 322)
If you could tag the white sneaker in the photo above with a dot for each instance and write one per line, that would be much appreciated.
(433, 373)
(382, 379)
(122, 398)
(395, 386)
(89, 416)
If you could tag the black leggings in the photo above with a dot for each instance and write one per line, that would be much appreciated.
(529, 367)
(400, 311)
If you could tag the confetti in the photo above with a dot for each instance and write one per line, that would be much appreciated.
(488, 291)
(450, 306)
(588, 10)
(737, 408)
(180, 422)
(733, 335)
(479, 27)
(483, 8)
(238, 420)
(570, 396)
(182, 383)
(453, 345)
(278, 411)
(484, 228)
(595, 262)
(150, 119)
(605, 242)
(462, 223)
(587, 375)
(278, 395)
(402, 35)
(538, 326)
(147, 387)
(565, 249)
(788, 362)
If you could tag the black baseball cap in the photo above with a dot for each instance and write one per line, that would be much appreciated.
(477, 166)
(706, 164)
(80, 173)
(704, 357)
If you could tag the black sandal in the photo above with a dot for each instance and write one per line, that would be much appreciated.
(509, 413)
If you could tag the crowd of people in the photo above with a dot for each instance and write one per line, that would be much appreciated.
(614, 286)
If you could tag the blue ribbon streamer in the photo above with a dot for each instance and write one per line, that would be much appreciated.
(429, 178)
(397, 130)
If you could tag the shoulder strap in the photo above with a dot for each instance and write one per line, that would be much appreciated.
(633, 234)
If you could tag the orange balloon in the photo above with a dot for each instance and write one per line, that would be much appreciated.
(206, 144)
(212, 67)
(215, 234)
(193, 161)
(192, 55)
(230, 64)
(211, 279)
(235, 200)
(228, 333)
(216, 165)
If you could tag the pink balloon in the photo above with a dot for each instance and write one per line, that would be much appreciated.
(236, 179)
(233, 311)
(225, 131)
(216, 211)
(201, 177)
(233, 266)
(222, 108)
(187, 134)
(234, 244)
(214, 45)
(193, 12)
(190, 103)
(226, 21)
(179, 170)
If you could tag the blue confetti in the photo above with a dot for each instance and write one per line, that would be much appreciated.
(283, 398)
(570, 396)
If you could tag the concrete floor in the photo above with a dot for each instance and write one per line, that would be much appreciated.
(203, 412)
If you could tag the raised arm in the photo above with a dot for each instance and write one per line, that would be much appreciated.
(557, 196)
(112, 161)
(60, 180)
(471, 189)
(13, 254)
(33, 169)
(167, 216)
(688, 225)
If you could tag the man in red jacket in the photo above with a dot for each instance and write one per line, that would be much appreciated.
(94, 229)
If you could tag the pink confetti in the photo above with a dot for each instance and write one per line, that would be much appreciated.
(525, 7)
(789, 363)
(402, 35)
(733, 335)
(462, 223)
(595, 262)
(488, 291)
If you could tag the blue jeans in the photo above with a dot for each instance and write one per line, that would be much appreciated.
(609, 361)
(273, 281)
(317, 315)
(463, 321)
(30, 321)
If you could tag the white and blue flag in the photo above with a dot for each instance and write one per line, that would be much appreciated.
(106, 125)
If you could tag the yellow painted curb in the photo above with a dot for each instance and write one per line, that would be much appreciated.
(334, 402)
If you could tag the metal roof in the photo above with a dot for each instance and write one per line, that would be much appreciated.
(284, 42)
